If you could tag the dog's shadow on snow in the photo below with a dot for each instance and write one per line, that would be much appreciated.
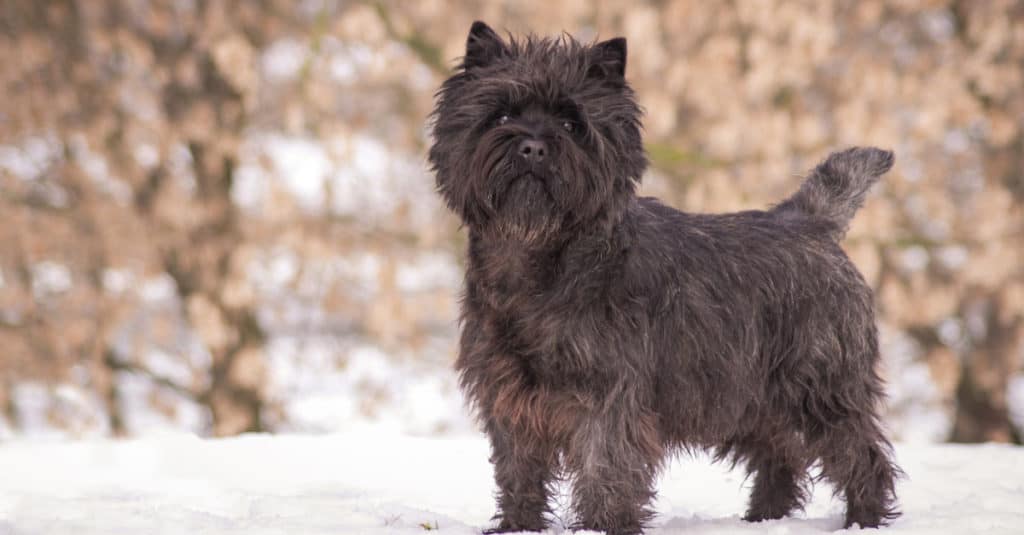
(733, 524)
(730, 524)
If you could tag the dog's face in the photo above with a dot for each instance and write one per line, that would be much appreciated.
(538, 137)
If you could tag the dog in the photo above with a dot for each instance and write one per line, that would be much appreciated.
(603, 332)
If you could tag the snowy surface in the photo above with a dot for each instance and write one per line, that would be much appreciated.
(378, 482)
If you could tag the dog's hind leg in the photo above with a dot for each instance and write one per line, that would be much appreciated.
(855, 457)
(840, 411)
(779, 464)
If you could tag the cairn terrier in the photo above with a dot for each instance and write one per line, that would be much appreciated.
(603, 332)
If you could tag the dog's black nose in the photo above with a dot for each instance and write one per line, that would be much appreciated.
(534, 150)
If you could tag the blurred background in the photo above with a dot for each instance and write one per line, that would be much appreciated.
(216, 216)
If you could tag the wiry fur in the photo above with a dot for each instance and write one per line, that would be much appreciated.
(603, 331)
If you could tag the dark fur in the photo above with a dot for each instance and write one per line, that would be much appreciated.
(603, 332)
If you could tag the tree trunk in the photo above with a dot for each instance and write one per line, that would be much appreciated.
(982, 412)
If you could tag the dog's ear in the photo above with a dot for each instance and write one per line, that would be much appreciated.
(482, 46)
(609, 59)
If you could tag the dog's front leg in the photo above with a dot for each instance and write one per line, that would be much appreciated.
(524, 466)
(614, 458)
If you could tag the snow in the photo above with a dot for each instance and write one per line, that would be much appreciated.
(29, 159)
(374, 481)
(322, 387)
(160, 288)
(346, 175)
(283, 59)
(1015, 400)
(50, 277)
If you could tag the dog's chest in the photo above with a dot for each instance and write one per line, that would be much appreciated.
(554, 344)
(557, 312)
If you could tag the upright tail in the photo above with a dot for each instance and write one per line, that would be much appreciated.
(835, 190)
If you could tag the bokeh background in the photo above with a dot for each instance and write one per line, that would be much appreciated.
(216, 216)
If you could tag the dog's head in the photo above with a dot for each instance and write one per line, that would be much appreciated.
(537, 137)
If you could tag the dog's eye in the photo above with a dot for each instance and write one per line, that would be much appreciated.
(502, 120)
(569, 126)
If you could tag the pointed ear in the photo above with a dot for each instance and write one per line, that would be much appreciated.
(609, 59)
(482, 46)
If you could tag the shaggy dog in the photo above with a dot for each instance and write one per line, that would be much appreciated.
(603, 332)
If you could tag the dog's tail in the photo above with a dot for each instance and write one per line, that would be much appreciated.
(836, 188)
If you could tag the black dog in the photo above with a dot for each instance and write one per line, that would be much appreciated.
(603, 331)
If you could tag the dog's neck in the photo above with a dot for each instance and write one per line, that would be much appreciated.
(512, 268)
(511, 264)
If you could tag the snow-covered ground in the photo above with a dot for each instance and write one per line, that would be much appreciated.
(376, 482)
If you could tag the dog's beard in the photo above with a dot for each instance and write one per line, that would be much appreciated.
(521, 200)
(526, 210)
